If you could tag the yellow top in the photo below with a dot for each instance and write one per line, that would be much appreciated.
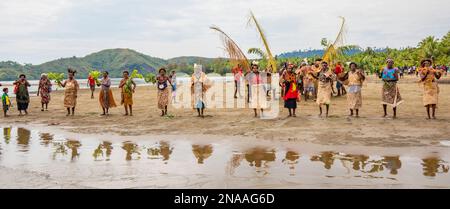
(354, 79)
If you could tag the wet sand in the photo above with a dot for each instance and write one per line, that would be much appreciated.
(229, 148)
(371, 129)
(42, 157)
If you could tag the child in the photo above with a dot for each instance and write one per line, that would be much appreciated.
(5, 101)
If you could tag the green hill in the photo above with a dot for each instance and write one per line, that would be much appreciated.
(112, 60)
(115, 61)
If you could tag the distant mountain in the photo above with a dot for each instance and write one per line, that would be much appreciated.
(117, 60)
(112, 60)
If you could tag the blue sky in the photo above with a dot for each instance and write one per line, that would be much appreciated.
(39, 31)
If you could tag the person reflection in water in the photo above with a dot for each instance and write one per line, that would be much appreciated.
(73, 145)
(131, 149)
(291, 159)
(202, 152)
(23, 138)
(392, 163)
(46, 138)
(109, 148)
(235, 162)
(359, 161)
(433, 165)
(326, 157)
(103, 147)
(260, 158)
(164, 150)
(7, 134)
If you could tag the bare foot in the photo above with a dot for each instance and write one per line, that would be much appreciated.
(384, 115)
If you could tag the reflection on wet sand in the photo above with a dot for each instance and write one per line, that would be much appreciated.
(433, 166)
(103, 147)
(291, 159)
(59, 148)
(327, 158)
(260, 158)
(46, 138)
(359, 162)
(7, 134)
(235, 162)
(132, 151)
(393, 163)
(162, 150)
(202, 152)
(23, 138)
(73, 145)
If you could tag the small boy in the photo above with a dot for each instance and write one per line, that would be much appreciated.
(5, 101)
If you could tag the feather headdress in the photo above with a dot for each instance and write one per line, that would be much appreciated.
(333, 50)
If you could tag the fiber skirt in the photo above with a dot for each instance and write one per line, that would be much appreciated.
(290, 103)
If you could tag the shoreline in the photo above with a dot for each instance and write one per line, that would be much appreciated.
(411, 128)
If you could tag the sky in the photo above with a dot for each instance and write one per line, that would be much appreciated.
(39, 31)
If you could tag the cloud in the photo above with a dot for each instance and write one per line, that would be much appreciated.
(39, 31)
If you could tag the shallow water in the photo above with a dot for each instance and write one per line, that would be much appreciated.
(54, 158)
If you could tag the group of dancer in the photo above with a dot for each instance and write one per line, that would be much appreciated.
(106, 99)
(315, 80)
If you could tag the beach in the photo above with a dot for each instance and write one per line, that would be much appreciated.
(410, 128)
(228, 148)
